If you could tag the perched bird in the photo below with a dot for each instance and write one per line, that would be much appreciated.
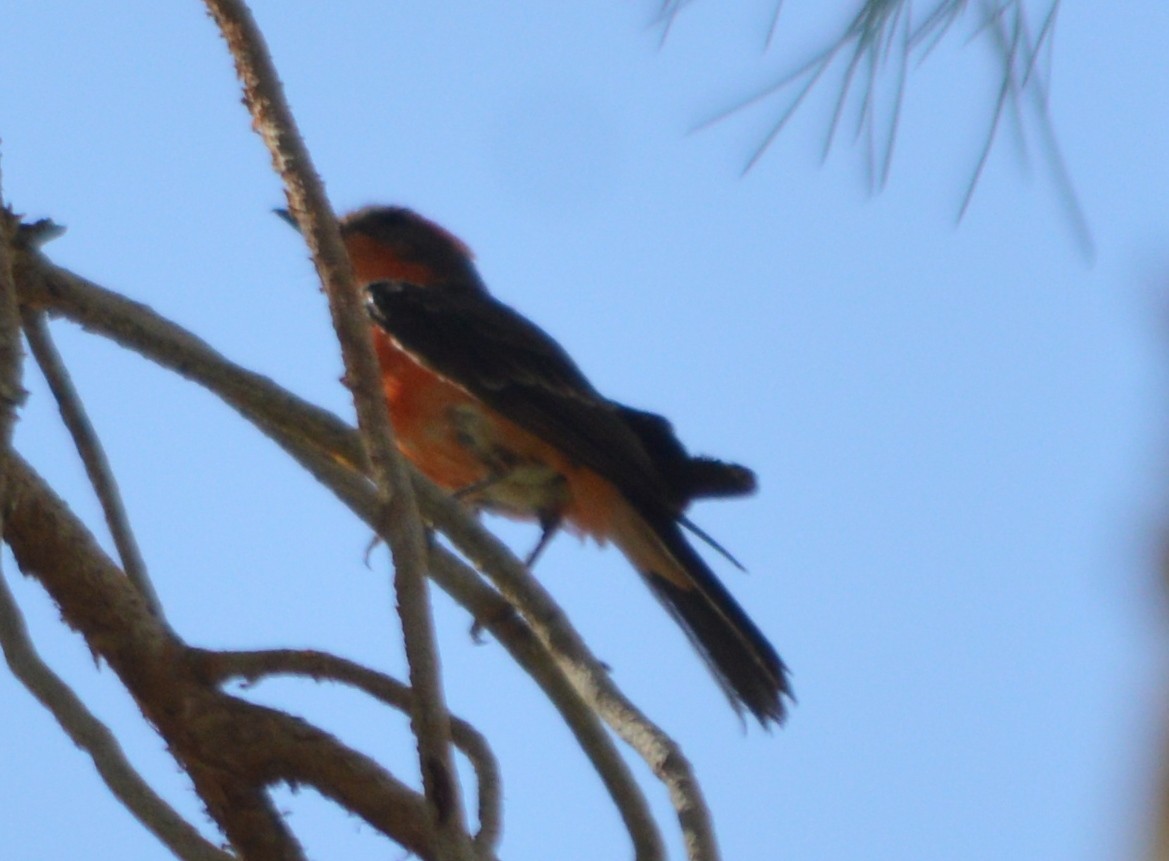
(488, 405)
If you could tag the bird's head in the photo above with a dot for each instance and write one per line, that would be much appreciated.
(395, 243)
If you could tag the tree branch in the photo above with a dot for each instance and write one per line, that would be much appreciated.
(509, 628)
(307, 201)
(93, 456)
(92, 736)
(219, 666)
(318, 441)
(138, 328)
(232, 749)
(12, 393)
(513, 633)
(586, 673)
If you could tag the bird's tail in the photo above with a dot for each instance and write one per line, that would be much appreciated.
(739, 656)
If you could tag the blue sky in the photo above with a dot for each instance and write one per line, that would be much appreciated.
(959, 429)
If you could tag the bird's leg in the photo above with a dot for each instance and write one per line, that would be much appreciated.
(549, 524)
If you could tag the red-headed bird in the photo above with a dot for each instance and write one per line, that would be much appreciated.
(487, 405)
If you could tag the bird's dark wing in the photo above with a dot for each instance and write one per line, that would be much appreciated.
(519, 371)
(687, 476)
(516, 369)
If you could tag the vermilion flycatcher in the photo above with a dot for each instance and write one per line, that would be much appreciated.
(486, 404)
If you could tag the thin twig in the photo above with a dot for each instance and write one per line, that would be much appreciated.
(307, 201)
(92, 736)
(92, 453)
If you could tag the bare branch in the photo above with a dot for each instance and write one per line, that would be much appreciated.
(510, 630)
(233, 750)
(93, 455)
(500, 618)
(88, 733)
(137, 327)
(272, 118)
(92, 736)
(586, 673)
(12, 392)
(219, 666)
(328, 449)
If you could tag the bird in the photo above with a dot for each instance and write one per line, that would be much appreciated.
(490, 407)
